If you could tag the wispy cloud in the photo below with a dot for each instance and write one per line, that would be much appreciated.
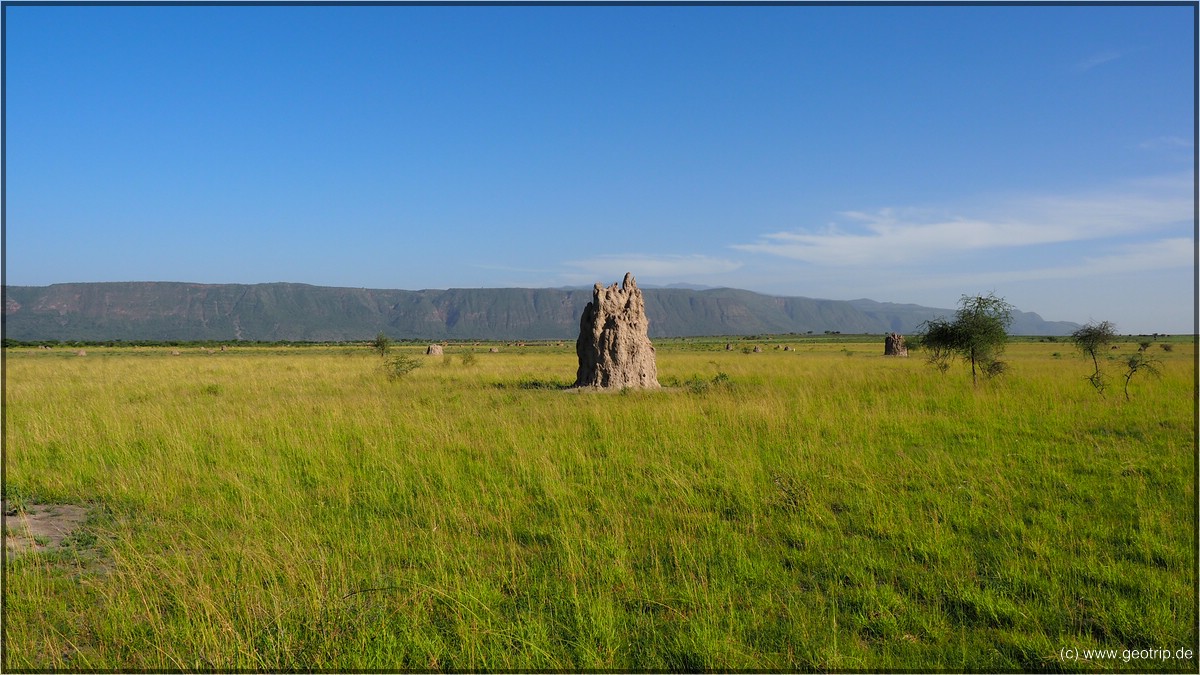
(1166, 143)
(1097, 59)
(509, 268)
(667, 267)
(890, 236)
(1157, 255)
(906, 235)
(1169, 253)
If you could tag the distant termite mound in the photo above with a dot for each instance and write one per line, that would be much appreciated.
(614, 346)
(894, 345)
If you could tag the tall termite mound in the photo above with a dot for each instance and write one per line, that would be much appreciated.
(614, 346)
(893, 345)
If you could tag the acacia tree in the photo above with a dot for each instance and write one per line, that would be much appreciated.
(977, 335)
(1090, 339)
(1137, 362)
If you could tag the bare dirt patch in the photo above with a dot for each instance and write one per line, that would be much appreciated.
(39, 527)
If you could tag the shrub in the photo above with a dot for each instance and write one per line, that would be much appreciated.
(382, 343)
(994, 368)
(401, 366)
(698, 385)
(1137, 362)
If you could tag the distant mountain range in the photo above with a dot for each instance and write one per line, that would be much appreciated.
(299, 312)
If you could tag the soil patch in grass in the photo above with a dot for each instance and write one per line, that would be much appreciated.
(39, 527)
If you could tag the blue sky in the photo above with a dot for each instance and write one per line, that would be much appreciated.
(903, 154)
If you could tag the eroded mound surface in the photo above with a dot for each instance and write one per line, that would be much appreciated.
(614, 346)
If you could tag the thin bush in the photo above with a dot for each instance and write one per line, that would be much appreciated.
(401, 366)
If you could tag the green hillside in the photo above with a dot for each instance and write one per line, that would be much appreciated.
(299, 312)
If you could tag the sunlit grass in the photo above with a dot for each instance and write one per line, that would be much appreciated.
(824, 508)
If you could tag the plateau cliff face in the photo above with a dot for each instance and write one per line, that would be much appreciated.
(299, 312)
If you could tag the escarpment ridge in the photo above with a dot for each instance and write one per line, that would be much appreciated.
(300, 312)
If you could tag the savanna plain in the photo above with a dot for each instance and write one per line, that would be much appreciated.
(819, 508)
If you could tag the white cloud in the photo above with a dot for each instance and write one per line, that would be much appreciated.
(647, 266)
(897, 236)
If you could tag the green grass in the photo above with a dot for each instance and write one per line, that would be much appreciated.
(818, 509)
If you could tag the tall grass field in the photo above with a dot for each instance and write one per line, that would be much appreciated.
(819, 508)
